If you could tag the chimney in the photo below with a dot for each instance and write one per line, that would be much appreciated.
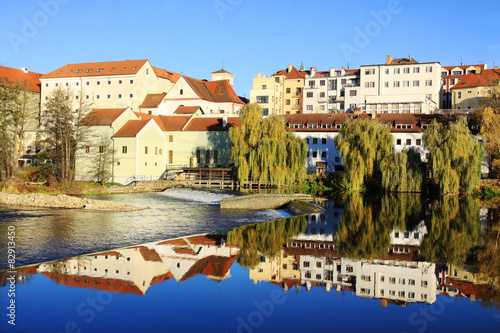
(289, 68)
(332, 71)
(342, 71)
(495, 68)
(224, 121)
(302, 68)
(388, 59)
(313, 71)
(479, 70)
(374, 114)
(258, 74)
(25, 70)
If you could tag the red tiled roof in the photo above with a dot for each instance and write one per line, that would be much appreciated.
(487, 77)
(163, 73)
(403, 61)
(177, 241)
(152, 100)
(210, 266)
(31, 79)
(98, 69)
(131, 128)
(184, 250)
(157, 119)
(462, 67)
(102, 117)
(186, 109)
(294, 73)
(204, 240)
(222, 91)
(174, 123)
(209, 124)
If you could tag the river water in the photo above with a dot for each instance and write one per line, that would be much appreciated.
(48, 234)
(386, 264)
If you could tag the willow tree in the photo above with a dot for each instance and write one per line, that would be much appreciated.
(402, 172)
(455, 159)
(363, 145)
(264, 151)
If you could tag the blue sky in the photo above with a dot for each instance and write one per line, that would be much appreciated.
(193, 37)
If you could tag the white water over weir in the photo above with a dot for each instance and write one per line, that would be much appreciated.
(198, 196)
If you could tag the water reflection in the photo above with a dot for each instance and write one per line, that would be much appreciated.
(389, 249)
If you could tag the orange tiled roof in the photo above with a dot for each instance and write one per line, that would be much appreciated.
(294, 73)
(152, 100)
(214, 91)
(32, 79)
(462, 67)
(157, 119)
(210, 124)
(487, 77)
(131, 128)
(403, 61)
(186, 109)
(102, 117)
(174, 123)
(173, 77)
(98, 69)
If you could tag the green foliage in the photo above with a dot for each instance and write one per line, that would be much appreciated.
(455, 159)
(266, 238)
(402, 172)
(264, 151)
(453, 228)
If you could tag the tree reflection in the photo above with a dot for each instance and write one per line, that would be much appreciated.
(489, 266)
(266, 238)
(367, 224)
(453, 229)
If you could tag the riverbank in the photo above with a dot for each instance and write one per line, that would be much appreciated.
(64, 201)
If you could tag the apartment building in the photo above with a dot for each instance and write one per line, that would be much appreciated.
(468, 92)
(450, 75)
(114, 84)
(333, 91)
(268, 92)
(281, 93)
(400, 85)
(320, 130)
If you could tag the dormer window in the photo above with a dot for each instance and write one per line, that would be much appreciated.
(70, 71)
(78, 71)
(88, 71)
(112, 69)
(99, 70)
(133, 68)
(123, 68)
(59, 72)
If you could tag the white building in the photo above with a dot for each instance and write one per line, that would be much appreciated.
(332, 91)
(400, 86)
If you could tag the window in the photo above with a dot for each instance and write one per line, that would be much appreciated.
(369, 84)
(87, 149)
(306, 264)
(76, 97)
(323, 154)
(108, 96)
(86, 83)
(428, 83)
(392, 280)
(322, 82)
(386, 84)
(395, 84)
(287, 102)
(170, 138)
(416, 83)
(124, 149)
(315, 141)
(181, 92)
(401, 293)
(88, 71)
(262, 99)
(408, 142)
(119, 95)
(146, 150)
(66, 84)
(287, 90)
(315, 154)
(428, 69)
(216, 156)
(397, 70)
(392, 293)
(98, 83)
(352, 93)
(349, 269)
(87, 96)
(402, 281)
(418, 142)
(398, 141)
(323, 141)
(406, 70)
(370, 71)
(156, 150)
(264, 87)
(423, 284)
(131, 95)
(459, 94)
(387, 71)
(109, 82)
(207, 156)
(406, 83)
(309, 94)
(416, 70)
(170, 156)
(411, 282)
(101, 149)
(309, 107)
(198, 156)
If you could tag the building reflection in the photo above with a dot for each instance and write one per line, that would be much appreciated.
(307, 258)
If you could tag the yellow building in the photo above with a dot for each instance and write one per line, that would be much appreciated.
(468, 92)
(280, 93)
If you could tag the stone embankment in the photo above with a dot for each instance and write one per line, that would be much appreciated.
(268, 201)
(64, 201)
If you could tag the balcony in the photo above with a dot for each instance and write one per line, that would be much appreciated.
(322, 100)
(311, 87)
